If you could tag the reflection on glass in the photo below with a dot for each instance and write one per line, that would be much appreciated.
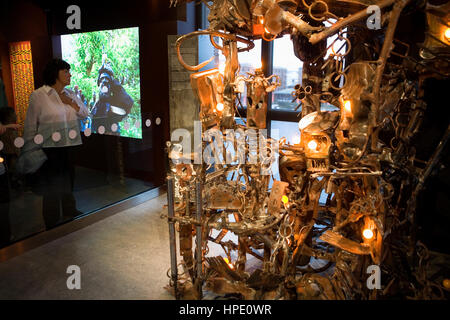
(280, 129)
(248, 60)
(96, 172)
(289, 68)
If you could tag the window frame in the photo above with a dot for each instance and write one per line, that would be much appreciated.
(267, 63)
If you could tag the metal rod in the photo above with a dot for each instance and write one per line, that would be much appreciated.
(384, 55)
(198, 198)
(172, 239)
(317, 37)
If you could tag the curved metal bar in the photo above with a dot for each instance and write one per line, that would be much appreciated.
(180, 58)
(250, 45)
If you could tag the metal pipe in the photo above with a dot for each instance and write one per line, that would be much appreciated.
(382, 60)
(198, 198)
(317, 37)
(172, 239)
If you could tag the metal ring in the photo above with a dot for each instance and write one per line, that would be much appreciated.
(340, 74)
(318, 2)
(327, 94)
(301, 95)
(397, 140)
(267, 39)
(285, 227)
(306, 5)
(349, 47)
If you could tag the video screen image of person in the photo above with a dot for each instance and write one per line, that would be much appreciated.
(105, 68)
(113, 103)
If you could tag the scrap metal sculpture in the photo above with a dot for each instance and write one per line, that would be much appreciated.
(360, 157)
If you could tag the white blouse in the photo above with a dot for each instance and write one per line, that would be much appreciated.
(51, 123)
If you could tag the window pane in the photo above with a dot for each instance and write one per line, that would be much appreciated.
(248, 61)
(286, 129)
(289, 68)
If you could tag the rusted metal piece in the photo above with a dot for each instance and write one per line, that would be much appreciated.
(226, 287)
(278, 190)
(353, 133)
(199, 240)
(257, 88)
(222, 198)
(208, 87)
(382, 60)
(275, 17)
(343, 243)
(211, 33)
(172, 238)
(317, 37)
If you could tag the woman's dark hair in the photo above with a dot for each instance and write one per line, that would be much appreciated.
(52, 69)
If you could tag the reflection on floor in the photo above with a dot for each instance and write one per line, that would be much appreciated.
(93, 190)
(125, 256)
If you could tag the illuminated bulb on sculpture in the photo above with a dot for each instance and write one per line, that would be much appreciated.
(312, 145)
(447, 34)
(446, 283)
(348, 105)
(219, 107)
(285, 199)
(368, 234)
(1, 160)
(228, 262)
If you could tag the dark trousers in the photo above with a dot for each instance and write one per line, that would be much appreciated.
(57, 178)
(5, 227)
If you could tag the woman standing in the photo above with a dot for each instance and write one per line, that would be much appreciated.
(52, 122)
(5, 228)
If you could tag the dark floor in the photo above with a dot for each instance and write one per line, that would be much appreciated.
(125, 256)
(93, 190)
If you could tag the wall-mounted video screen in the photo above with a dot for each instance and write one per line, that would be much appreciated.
(106, 77)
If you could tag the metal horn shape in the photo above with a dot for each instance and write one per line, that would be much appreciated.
(250, 45)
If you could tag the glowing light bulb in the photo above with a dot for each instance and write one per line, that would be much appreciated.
(284, 199)
(312, 145)
(368, 234)
(446, 283)
(447, 34)
(219, 107)
(348, 105)
(228, 262)
(1, 160)
(222, 68)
